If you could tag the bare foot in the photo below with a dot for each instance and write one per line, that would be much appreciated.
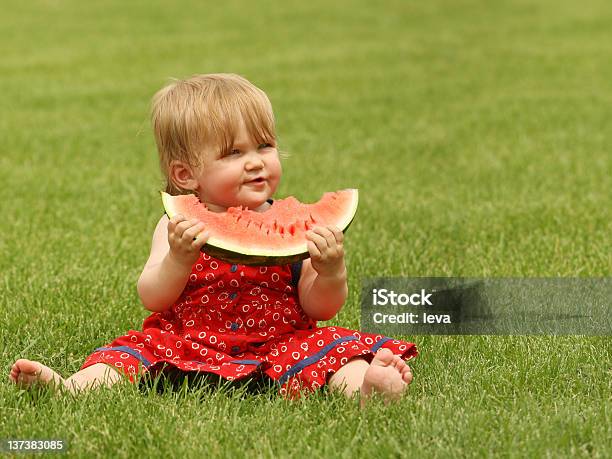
(388, 374)
(26, 373)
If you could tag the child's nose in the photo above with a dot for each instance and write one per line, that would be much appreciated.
(254, 161)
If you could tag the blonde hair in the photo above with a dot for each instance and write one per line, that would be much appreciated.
(204, 111)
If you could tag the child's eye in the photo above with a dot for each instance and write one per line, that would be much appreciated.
(235, 151)
(265, 145)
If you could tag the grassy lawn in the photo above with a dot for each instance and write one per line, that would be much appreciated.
(477, 132)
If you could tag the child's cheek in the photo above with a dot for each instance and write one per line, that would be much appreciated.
(276, 172)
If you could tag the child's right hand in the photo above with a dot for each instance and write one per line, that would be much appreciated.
(181, 233)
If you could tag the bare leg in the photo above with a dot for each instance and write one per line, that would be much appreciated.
(96, 375)
(26, 373)
(388, 374)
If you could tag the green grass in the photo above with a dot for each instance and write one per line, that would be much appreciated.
(477, 132)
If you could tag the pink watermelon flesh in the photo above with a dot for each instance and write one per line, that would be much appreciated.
(276, 236)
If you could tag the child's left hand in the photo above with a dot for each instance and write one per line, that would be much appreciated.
(326, 251)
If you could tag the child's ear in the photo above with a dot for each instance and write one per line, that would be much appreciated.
(181, 175)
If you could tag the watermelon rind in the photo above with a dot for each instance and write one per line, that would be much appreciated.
(225, 250)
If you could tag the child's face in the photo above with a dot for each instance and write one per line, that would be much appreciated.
(228, 181)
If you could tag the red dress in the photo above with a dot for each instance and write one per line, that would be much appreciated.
(237, 320)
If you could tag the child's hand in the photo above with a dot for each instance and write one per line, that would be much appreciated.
(326, 251)
(181, 233)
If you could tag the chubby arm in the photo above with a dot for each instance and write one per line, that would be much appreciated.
(173, 252)
(323, 288)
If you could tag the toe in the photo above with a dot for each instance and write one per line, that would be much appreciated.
(14, 370)
(383, 357)
(407, 375)
(399, 363)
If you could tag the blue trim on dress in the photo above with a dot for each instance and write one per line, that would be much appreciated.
(127, 350)
(296, 271)
(237, 362)
(313, 358)
(247, 362)
(379, 343)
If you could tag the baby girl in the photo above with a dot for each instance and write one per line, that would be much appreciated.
(216, 139)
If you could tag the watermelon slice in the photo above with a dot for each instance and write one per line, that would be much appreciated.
(274, 237)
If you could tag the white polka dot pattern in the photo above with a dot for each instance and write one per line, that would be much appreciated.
(234, 320)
